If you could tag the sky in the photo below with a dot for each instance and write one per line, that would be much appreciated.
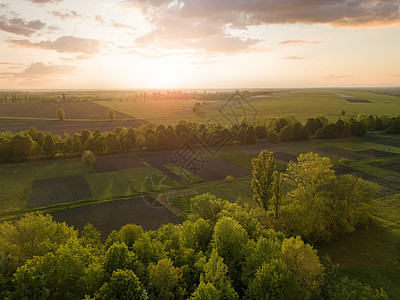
(184, 44)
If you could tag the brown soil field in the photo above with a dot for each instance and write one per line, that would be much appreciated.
(110, 216)
(71, 127)
(219, 168)
(343, 153)
(286, 157)
(73, 110)
(51, 191)
(112, 163)
(375, 153)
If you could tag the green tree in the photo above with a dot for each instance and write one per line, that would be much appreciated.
(22, 146)
(302, 261)
(110, 113)
(206, 291)
(151, 142)
(263, 179)
(273, 281)
(165, 280)
(117, 257)
(216, 273)
(88, 158)
(309, 174)
(60, 113)
(251, 137)
(49, 146)
(230, 242)
(124, 285)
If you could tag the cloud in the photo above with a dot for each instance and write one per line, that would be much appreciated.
(397, 75)
(20, 26)
(113, 23)
(293, 57)
(9, 64)
(333, 76)
(254, 12)
(206, 24)
(64, 44)
(44, 1)
(71, 15)
(40, 70)
(299, 42)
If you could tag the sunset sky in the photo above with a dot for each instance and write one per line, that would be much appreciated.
(95, 44)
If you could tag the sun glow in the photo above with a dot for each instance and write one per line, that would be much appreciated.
(164, 78)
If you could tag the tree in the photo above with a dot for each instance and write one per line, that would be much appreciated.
(216, 273)
(60, 113)
(287, 133)
(110, 113)
(251, 137)
(309, 173)
(151, 142)
(263, 180)
(273, 281)
(277, 192)
(206, 291)
(347, 289)
(88, 158)
(22, 146)
(261, 132)
(117, 257)
(230, 242)
(124, 285)
(303, 262)
(164, 280)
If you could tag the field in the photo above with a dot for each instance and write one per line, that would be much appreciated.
(91, 115)
(51, 191)
(302, 103)
(109, 185)
(110, 163)
(47, 110)
(110, 216)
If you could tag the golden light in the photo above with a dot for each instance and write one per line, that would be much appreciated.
(164, 78)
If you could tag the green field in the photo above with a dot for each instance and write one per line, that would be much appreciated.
(185, 175)
(149, 179)
(109, 185)
(302, 103)
(16, 179)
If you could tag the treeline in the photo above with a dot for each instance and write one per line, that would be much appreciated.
(223, 251)
(34, 144)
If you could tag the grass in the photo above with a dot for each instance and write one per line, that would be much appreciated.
(149, 179)
(371, 254)
(109, 185)
(159, 112)
(237, 156)
(16, 179)
(186, 176)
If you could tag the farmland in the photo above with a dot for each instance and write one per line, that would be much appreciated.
(145, 188)
(47, 110)
(302, 103)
